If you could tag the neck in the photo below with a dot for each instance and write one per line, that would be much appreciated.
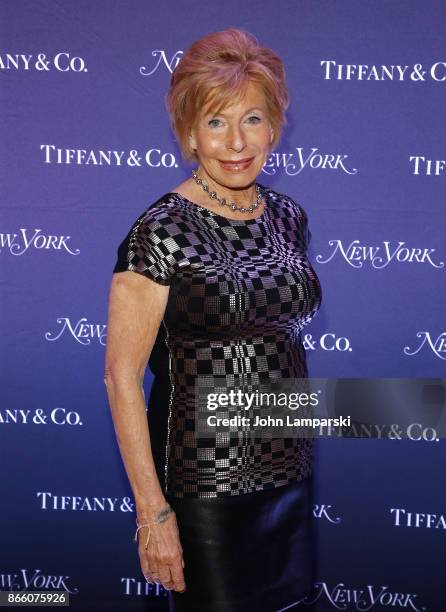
(242, 196)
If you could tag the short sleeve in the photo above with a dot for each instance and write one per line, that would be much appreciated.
(306, 233)
(303, 230)
(152, 247)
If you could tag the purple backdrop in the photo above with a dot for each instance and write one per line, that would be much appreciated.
(86, 147)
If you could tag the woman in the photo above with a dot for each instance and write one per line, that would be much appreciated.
(222, 268)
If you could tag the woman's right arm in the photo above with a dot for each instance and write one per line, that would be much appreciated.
(136, 309)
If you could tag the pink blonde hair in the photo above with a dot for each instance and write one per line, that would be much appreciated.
(215, 71)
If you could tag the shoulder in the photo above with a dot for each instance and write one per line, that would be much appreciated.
(158, 227)
(153, 245)
(287, 206)
(164, 212)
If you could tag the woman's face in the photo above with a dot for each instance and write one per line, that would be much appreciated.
(240, 133)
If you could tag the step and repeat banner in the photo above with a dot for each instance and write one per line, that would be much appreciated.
(86, 147)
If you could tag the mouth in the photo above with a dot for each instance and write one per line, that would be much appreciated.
(236, 166)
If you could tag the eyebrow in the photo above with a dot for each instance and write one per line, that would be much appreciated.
(248, 111)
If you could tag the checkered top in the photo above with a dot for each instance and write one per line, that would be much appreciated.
(241, 290)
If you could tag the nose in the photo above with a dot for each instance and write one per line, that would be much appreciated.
(236, 138)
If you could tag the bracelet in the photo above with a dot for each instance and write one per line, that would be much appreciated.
(162, 516)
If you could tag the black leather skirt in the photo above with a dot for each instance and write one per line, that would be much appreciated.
(246, 552)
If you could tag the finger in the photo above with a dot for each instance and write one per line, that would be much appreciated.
(155, 570)
(146, 571)
(169, 584)
(164, 575)
(178, 577)
(181, 554)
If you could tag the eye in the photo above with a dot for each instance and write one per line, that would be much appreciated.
(257, 119)
(213, 122)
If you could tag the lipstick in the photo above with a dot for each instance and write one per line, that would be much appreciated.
(236, 166)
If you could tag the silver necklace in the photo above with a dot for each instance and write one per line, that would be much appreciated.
(232, 205)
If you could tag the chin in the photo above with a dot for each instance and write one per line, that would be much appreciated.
(240, 181)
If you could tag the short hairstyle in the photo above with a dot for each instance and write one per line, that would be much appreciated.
(215, 71)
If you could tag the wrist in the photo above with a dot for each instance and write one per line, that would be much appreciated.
(149, 511)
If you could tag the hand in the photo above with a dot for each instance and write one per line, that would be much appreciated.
(162, 561)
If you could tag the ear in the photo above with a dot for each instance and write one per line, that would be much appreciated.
(192, 140)
(271, 134)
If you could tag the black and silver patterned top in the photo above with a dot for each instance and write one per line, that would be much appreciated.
(241, 290)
